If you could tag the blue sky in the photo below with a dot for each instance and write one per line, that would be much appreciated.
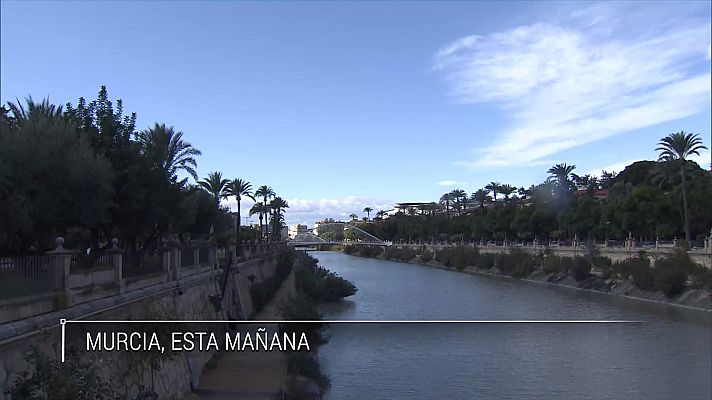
(342, 105)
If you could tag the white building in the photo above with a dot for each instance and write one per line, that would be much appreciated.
(296, 229)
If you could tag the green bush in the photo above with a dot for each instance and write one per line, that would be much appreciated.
(485, 261)
(671, 273)
(555, 264)
(580, 268)
(603, 264)
(642, 275)
(370, 251)
(516, 263)
(426, 256)
(48, 378)
(400, 254)
(323, 285)
(442, 255)
(458, 257)
(306, 365)
(669, 278)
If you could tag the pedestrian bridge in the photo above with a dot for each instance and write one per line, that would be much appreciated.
(342, 233)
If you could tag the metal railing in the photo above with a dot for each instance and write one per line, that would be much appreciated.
(24, 276)
(142, 263)
(83, 261)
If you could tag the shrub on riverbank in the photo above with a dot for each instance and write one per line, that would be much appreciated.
(459, 257)
(370, 251)
(516, 263)
(426, 256)
(554, 264)
(400, 254)
(579, 268)
(321, 284)
(671, 273)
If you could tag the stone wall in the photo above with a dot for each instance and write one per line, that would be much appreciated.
(187, 298)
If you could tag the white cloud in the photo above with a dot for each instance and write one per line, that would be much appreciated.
(704, 159)
(451, 183)
(308, 211)
(565, 86)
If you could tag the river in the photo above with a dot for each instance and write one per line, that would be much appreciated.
(668, 355)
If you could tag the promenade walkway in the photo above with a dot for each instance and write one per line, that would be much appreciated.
(249, 375)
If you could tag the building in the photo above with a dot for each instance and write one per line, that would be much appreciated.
(600, 194)
(296, 229)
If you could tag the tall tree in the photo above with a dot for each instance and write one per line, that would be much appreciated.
(266, 193)
(261, 209)
(278, 205)
(676, 148)
(445, 199)
(168, 152)
(51, 179)
(239, 189)
(480, 197)
(215, 185)
(561, 173)
(606, 180)
(507, 190)
(353, 216)
(457, 195)
(368, 210)
(494, 188)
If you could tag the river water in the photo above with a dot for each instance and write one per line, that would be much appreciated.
(668, 355)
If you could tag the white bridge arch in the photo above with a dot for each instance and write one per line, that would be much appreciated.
(363, 237)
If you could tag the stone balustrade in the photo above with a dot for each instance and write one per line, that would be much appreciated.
(63, 278)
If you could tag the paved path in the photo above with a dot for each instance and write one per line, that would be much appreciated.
(249, 375)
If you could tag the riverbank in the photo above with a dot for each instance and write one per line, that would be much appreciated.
(693, 299)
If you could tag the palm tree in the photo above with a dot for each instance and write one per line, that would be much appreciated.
(494, 188)
(561, 172)
(266, 193)
(507, 191)
(480, 197)
(168, 152)
(277, 205)
(215, 185)
(261, 209)
(380, 214)
(677, 147)
(353, 216)
(457, 195)
(368, 210)
(239, 189)
(607, 179)
(445, 199)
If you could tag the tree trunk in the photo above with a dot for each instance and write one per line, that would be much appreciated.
(260, 226)
(237, 231)
(267, 214)
(684, 203)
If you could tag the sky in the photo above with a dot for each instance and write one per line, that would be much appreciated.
(342, 105)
